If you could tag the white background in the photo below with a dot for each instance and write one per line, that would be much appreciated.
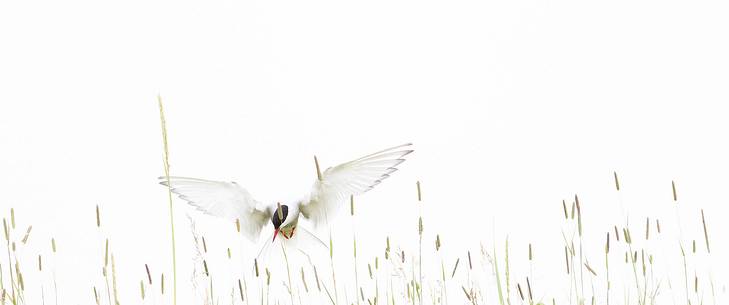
(513, 106)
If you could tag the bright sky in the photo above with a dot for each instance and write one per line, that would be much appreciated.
(512, 106)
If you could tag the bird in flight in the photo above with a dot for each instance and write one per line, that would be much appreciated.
(331, 189)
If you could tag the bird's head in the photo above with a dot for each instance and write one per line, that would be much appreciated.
(278, 218)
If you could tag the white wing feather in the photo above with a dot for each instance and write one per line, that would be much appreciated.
(222, 199)
(355, 177)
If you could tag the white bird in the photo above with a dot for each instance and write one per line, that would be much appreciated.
(332, 189)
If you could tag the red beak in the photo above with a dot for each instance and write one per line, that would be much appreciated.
(274, 234)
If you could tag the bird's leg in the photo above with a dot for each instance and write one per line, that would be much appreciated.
(292, 232)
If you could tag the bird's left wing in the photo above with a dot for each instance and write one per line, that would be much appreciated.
(352, 178)
(222, 199)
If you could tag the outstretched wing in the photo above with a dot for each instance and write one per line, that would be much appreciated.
(355, 177)
(222, 199)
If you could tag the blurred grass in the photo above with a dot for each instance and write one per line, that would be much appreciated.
(405, 280)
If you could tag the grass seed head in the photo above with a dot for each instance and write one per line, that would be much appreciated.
(706, 232)
(27, 233)
(647, 228)
(149, 275)
(455, 268)
(420, 226)
(5, 226)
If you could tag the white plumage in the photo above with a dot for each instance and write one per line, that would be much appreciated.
(231, 201)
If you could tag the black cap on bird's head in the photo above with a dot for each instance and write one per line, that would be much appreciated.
(278, 218)
(279, 215)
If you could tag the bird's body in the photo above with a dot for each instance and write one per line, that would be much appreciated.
(331, 189)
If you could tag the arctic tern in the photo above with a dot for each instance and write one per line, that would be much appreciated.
(331, 189)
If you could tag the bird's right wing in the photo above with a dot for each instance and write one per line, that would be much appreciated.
(222, 199)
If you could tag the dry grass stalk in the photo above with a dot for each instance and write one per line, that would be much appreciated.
(5, 226)
(316, 278)
(567, 259)
(318, 171)
(706, 232)
(113, 280)
(468, 296)
(647, 228)
(27, 234)
(106, 254)
(96, 296)
(590, 269)
(149, 275)
(166, 159)
(303, 280)
(240, 289)
(573, 210)
(696, 283)
(673, 187)
(455, 267)
(98, 217)
(521, 295)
